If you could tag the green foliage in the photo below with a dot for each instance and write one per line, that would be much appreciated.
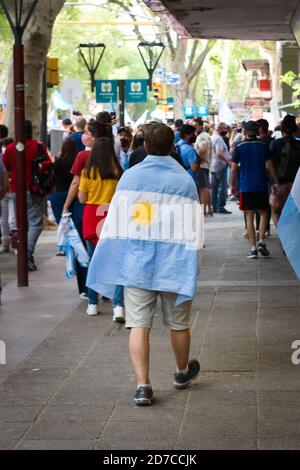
(215, 60)
(288, 78)
(292, 80)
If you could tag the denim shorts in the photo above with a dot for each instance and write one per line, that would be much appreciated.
(140, 307)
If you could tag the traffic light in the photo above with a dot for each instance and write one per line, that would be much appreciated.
(157, 91)
(52, 72)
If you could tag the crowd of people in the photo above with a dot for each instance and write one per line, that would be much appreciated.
(194, 160)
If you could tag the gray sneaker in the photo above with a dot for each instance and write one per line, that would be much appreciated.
(143, 395)
(183, 380)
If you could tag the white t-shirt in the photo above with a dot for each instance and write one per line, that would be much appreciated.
(204, 138)
(218, 145)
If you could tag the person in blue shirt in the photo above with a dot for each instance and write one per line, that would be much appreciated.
(185, 149)
(80, 125)
(254, 158)
(178, 126)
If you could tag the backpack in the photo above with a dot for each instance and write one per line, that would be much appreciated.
(289, 160)
(42, 174)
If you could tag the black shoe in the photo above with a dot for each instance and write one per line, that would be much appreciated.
(262, 249)
(252, 253)
(143, 395)
(183, 380)
(31, 264)
(224, 211)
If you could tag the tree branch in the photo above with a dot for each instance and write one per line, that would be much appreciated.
(171, 45)
(126, 8)
(193, 52)
(200, 59)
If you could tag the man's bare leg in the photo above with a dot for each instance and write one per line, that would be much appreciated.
(181, 341)
(139, 348)
(250, 227)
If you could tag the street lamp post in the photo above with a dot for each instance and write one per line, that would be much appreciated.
(91, 59)
(18, 22)
(151, 53)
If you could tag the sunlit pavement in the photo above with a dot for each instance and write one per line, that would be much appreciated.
(68, 383)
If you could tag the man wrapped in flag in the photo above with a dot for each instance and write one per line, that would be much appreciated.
(150, 244)
(289, 226)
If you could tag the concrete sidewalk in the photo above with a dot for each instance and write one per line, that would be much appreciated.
(74, 389)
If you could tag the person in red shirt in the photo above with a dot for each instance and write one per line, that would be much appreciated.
(35, 203)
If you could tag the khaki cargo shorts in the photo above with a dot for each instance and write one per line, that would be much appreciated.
(140, 306)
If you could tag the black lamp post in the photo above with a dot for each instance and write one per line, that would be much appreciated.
(18, 17)
(91, 55)
(150, 53)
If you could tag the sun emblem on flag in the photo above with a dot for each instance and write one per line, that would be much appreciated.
(143, 213)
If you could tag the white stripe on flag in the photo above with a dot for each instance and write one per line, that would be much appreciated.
(156, 217)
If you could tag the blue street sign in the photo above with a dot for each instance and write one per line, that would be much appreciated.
(136, 91)
(202, 111)
(189, 111)
(106, 91)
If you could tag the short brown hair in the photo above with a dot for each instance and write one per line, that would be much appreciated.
(159, 139)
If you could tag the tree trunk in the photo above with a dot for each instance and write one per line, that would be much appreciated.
(223, 90)
(37, 39)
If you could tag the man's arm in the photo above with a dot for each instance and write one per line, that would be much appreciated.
(72, 194)
(272, 171)
(222, 156)
(233, 178)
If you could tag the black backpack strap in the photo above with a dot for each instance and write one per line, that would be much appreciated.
(40, 151)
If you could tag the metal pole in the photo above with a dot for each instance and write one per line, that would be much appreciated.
(19, 97)
(44, 136)
(122, 102)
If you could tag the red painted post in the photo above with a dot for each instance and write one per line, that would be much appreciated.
(19, 97)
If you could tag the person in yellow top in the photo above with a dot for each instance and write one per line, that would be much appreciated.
(97, 186)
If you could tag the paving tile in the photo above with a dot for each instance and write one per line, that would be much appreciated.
(279, 398)
(86, 413)
(220, 422)
(279, 420)
(15, 430)
(216, 444)
(279, 443)
(66, 444)
(168, 413)
(19, 414)
(133, 444)
(7, 444)
(64, 430)
(140, 431)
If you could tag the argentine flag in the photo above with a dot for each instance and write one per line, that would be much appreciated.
(152, 233)
(289, 226)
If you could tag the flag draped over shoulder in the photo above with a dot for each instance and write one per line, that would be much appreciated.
(152, 234)
(289, 226)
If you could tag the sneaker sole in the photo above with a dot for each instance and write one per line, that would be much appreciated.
(143, 401)
(119, 320)
(178, 386)
(263, 254)
(252, 257)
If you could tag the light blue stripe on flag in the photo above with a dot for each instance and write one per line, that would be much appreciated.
(143, 264)
(289, 233)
